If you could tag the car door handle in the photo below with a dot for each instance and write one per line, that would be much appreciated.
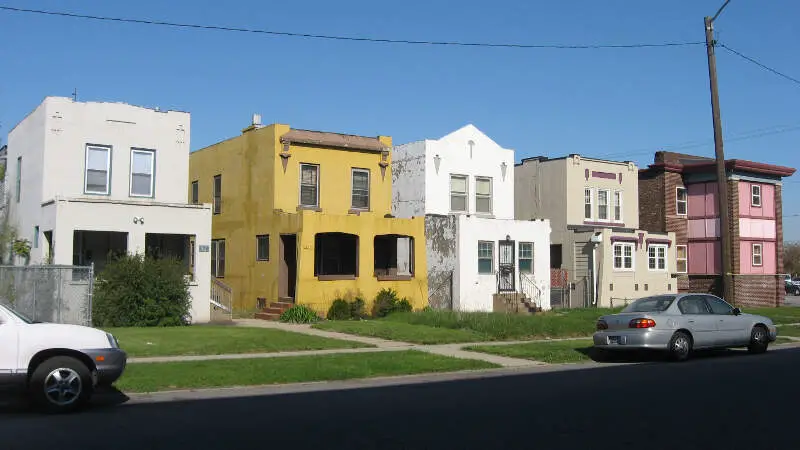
(691, 321)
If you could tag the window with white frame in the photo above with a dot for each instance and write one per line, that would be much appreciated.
(142, 170)
(458, 193)
(755, 195)
(657, 257)
(360, 189)
(526, 257)
(587, 204)
(485, 257)
(682, 258)
(623, 256)
(758, 255)
(309, 185)
(602, 204)
(483, 195)
(681, 201)
(618, 206)
(98, 169)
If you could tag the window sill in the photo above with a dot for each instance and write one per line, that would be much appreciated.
(335, 277)
(309, 208)
(394, 277)
(484, 215)
(262, 260)
(356, 211)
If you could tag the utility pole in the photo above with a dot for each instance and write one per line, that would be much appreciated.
(722, 178)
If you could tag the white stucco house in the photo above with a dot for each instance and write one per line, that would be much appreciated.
(88, 179)
(479, 257)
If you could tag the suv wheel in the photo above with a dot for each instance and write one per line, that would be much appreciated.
(61, 384)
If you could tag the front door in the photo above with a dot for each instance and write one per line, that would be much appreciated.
(506, 267)
(287, 271)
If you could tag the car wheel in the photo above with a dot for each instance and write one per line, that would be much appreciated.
(797, 291)
(680, 346)
(61, 384)
(759, 340)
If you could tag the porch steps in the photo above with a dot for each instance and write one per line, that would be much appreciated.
(275, 309)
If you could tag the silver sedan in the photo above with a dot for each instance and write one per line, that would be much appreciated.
(680, 323)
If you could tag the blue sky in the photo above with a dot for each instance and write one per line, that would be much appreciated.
(615, 103)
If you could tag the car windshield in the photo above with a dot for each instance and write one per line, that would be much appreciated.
(650, 304)
(20, 315)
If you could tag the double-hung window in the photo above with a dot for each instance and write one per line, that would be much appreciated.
(485, 257)
(458, 193)
(681, 201)
(755, 195)
(587, 204)
(483, 195)
(98, 170)
(617, 206)
(602, 204)
(681, 258)
(142, 170)
(623, 256)
(758, 255)
(360, 189)
(309, 185)
(526, 257)
(657, 257)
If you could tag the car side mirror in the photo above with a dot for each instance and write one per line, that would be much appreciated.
(736, 311)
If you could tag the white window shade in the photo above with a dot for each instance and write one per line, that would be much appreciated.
(97, 167)
(142, 165)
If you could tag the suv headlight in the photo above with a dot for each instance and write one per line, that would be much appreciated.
(112, 341)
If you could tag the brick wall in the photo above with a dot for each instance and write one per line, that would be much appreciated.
(709, 284)
(651, 202)
(779, 250)
(733, 213)
(758, 290)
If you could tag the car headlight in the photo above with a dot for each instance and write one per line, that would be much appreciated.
(112, 341)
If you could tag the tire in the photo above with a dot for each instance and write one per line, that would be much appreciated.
(680, 346)
(796, 291)
(61, 384)
(759, 340)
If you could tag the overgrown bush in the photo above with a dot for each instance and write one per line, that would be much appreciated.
(139, 291)
(387, 302)
(339, 310)
(358, 309)
(299, 314)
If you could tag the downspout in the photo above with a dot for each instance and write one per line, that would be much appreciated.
(594, 274)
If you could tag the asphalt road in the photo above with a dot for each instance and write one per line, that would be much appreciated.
(730, 401)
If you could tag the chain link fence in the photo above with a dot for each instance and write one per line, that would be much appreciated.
(49, 293)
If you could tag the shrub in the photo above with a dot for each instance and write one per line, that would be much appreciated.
(139, 291)
(358, 309)
(339, 310)
(403, 306)
(387, 302)
(299, 314)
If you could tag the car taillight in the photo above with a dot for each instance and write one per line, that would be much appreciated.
(602, 325)
(642, 323)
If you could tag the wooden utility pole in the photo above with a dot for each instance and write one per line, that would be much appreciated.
(722, 178)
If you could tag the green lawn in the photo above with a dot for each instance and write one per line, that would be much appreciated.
(782, 315)
(398, 331)
(555, 352)
(218, 340)
(264, 371)
(784, 340)
(443, 327)
(789, 331)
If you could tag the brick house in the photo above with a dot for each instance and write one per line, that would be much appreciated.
(678, 193)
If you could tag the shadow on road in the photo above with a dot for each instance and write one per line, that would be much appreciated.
(16, 404)
(650, 356)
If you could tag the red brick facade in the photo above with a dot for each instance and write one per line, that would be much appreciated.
(658, 212)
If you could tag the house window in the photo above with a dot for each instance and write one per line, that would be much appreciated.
(217, 194)
(309, 185)
(98, 169)
(681, 201)
(483, 195)
(485, 257)
(602, 204)
(394, 256)
(218, 258)
(618, 206)
(195, 192)
(36, 236)
(758, 255)
(657, 257)
(336, 255)
(142, 169)
(262, 247)
(682, 259)
(587, 204)
(19, 178)
(458, 193)
(526, 257)
(623, 256)
(360, 189)
(755, 197)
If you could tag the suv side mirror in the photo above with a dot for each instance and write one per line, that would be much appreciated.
(736, 311)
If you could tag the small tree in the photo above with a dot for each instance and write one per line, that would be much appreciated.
(791, 258)
(139, 291)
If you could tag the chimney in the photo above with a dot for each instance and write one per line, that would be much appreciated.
(255, 123)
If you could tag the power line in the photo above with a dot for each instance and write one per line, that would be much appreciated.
(344, 38)
(765, 67)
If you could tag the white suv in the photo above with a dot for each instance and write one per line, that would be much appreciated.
(58, 365)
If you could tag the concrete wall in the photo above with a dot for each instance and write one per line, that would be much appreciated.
(408, 179)
(540, 191)
(473, 290)
(66, 216)
(441, 234)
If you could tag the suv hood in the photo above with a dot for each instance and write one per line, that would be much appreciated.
(67, 336)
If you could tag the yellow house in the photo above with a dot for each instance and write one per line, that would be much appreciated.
(303, 217)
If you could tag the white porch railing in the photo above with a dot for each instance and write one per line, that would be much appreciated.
(221, 297)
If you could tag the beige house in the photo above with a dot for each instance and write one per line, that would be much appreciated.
(598, 254)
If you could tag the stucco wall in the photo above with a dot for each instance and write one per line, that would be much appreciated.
(473, 290)
(408, 179)
(540, 191)
(441, 234)
(98, 215)
(597, 174)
